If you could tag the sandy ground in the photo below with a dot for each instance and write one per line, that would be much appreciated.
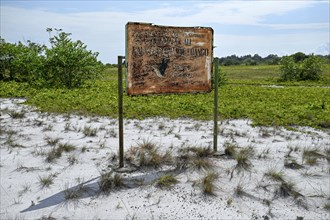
(27, 137)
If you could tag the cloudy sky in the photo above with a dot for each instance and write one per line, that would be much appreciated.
(240, 27)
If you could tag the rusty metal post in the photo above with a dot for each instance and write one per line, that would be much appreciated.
(215, 119)
(120, 112)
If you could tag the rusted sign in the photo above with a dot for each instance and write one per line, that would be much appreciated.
(164, 59)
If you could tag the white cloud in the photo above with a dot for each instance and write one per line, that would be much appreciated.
(105, 31)
(281, 44)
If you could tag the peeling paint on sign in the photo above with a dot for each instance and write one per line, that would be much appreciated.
(164, 59)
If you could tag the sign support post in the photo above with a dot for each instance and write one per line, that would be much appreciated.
(215, 119)
(120, 112)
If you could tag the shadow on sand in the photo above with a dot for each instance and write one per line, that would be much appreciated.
(91, 188)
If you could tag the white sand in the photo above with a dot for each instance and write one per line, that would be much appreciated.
(24, 148)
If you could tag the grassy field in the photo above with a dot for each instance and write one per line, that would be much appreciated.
(267, 74)
(241, 98)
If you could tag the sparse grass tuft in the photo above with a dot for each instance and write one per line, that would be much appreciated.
(201, 163)
(112, 133)
(198, 151)
(161, 126)
(108, 181)
(287, 189)
(327, 154)
(195, 158)
(46, 181)
(66, 147)
(146, 154)
(74, 193)
(243, 159)
(202, 151)
(16, 115)
(264, 132)
(53, 154)
(11, 142)
(72, 160)
(277, 176)
(49, 127)
(327, 206)
(56, 153)
(83, 149)
(118, 180)
(51, 141)
(166, 181)
(26, 188)
(207, 183)
(230, 149)
(89, 131)
(49, 217)
(239, 190)
(292, 164)
(310, 156)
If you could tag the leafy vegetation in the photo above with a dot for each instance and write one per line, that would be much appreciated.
(66, 63)
(297, 103)
(309, 68)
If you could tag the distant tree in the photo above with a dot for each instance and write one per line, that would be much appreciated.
(250, 62)
(299, 56)
(309, 68)
(272, 59)
(289, 69)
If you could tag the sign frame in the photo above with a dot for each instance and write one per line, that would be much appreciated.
(168, 59)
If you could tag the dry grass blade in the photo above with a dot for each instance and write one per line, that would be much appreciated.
(230, 149)
(287, 189)
(201, 163)
(207, 183)
(198, 151)
(292, 164)
(166, 181)
(146, 154)
(75, 193)
(46, 181)
(109, 181)
(16, 115)
(310, 156)
(277, 176)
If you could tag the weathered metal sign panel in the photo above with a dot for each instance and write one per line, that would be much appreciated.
(164, 59)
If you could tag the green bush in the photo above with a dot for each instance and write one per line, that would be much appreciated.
(69, 63)
(66, 63)
(293, 69)
(20, 62)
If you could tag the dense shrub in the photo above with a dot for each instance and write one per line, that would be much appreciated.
(20, 62)
(307, 68)
(66, 63)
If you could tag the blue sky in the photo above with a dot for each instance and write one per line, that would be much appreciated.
(240, 27)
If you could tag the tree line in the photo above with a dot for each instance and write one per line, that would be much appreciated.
(68, 64)
(271, 59)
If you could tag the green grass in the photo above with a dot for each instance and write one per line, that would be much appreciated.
(267, 74)
(292, 105)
